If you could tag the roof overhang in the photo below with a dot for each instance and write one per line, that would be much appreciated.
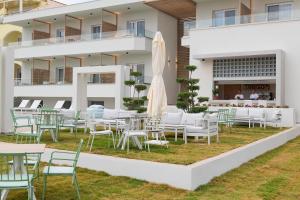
(180, 9)
(75, 9)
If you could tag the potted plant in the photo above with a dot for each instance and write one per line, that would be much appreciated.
(186, 99)
(135, 101)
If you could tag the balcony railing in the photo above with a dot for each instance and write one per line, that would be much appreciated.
(270, 17)
(84, 37)
(40, 81)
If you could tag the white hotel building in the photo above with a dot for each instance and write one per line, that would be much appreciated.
(105, 39)
(236, 45)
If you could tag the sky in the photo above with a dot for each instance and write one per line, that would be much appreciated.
(72, 1)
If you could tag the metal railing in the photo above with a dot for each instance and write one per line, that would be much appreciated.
(84, 37)
(271, 17)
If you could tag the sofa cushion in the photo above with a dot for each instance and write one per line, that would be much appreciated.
(257, 113)
(191, 118)
(110, 114)
(172, 118)
(242, 112)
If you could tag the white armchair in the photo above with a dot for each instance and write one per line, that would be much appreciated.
(208, 128)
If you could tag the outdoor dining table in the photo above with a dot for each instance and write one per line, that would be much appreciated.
(18, 162)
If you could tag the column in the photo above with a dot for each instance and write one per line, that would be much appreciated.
(6, 88)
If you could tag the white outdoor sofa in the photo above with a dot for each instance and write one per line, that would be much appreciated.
(206, 127)
(177, 121)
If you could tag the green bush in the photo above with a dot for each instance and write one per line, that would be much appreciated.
(129, 82)
(134, 101)
(203, 99)
(198, 109)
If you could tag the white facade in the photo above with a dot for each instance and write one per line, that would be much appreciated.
(110, 48)
(265, 33)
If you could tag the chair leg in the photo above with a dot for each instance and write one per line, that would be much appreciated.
(208, 139)
(92, 143)
(76, 186)
(88, 143)
(176, 132)
(128, 144)
(113, 139)
(45, 187)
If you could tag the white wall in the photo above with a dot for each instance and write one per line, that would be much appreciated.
(167, 25)
(260, 37)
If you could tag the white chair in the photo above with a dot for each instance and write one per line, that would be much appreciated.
(274, 118)
(59, 105)
(94, 132)
(242, 116)
(208, 128)
(152, 126)
(133, 132)
(258, 115)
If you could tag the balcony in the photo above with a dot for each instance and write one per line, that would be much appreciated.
(228, 23)
(115, 41)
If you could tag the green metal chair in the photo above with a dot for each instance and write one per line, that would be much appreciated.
(231, 116)
(51, 170)
(16, 177)
(71, 123)
(223, 117)
(49, 120)
(22, 125)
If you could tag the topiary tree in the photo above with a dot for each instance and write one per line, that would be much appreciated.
(186, 98)
(135, 101)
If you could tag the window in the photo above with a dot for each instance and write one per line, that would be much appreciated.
(224, 17)
(276, 12)
(136, 28)
(59, 76)
(60, 33)
(138, 68)
(96, 32)
(244, 67)
(94, 78)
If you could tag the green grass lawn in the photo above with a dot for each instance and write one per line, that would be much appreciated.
(273, 176)
(177, 153)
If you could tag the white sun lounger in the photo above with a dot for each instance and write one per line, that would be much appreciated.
(22, 105)
(59, 105)
(34, 106)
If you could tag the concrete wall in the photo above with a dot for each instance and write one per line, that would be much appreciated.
(188, 177)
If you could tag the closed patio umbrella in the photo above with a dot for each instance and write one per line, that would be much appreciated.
(157, 98)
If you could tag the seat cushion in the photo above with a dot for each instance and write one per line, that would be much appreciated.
(110, 114)
(105, 132)
(257, 113)
(191, 118)
(135, 133)
(58, 170)
(172, 118)
(242, 112)
(195, 129)
(4, 184)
